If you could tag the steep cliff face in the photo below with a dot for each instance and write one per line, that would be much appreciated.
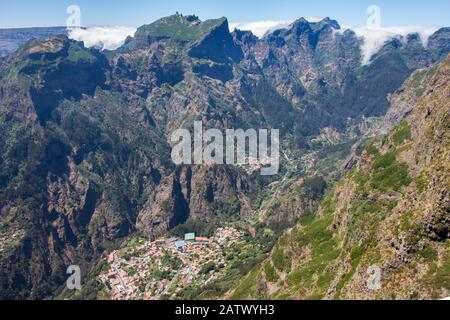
(384, 232)
(195, 192)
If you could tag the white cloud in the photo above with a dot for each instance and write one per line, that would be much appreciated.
(374, 39)
(109, 38)
(261, 28)
(314, 19)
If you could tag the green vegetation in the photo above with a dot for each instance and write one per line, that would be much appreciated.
(97, 152)
(384, 161)
(279, 260)
(402, 133)
(77, 54)
(321, 247)
(208, 267)
(372, 150)
(247, 287)
(200, 226)
(226, 210)
(180, 28)
(327, 204)
(134, 242)
(438, 276)
(355, 256)
(361, 208)
(421, 181)
(428, 254)
(241, 260)
(324, 250)
(302, 277)
(324, 281)
(306, 219)
(316, 233)
(360, 179)
(421, 78)
(388, 173)
(131, 271)
(171, 261)
(271, 273)
(418, 82)
(91, 288)
(393, 177)
(314, 187)
(442, 278)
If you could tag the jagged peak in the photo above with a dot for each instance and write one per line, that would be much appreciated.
(300, 26)
(303, 25)
(328, 22)
(244, 36)
(301, 20)
(315, 25)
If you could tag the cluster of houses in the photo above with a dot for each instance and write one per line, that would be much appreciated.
(161, 269)
(188, 238)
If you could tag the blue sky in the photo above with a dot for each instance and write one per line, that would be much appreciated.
(133, 13)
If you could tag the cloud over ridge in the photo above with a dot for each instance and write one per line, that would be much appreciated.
(260, 28)
(109, 38)
(373, 40)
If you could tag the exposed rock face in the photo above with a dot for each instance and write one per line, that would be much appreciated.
(85, 135)
(167, 206)
(390, 214)
(217, 46)
(197, 192)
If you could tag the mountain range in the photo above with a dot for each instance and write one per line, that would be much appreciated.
(85, 161)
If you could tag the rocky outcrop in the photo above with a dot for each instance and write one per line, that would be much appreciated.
(197, 192)
(167, 206)
(217, 45)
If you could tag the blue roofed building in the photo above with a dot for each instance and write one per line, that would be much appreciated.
(180, 244)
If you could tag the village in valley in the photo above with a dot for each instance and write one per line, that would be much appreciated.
(163, 268)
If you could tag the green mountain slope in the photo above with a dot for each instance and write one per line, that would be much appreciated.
(391, 212)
